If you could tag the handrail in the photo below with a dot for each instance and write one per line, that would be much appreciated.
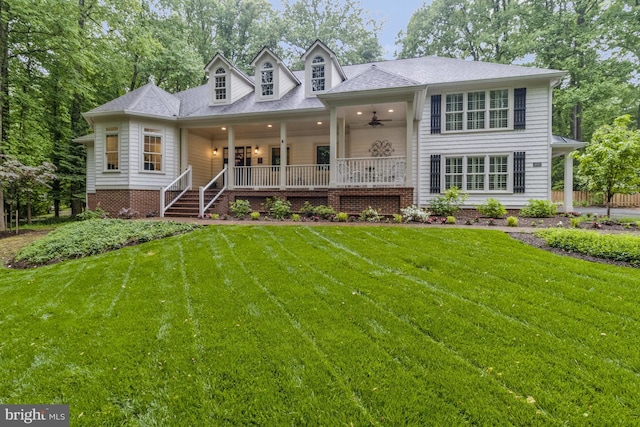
(182, 184)
(203, 207)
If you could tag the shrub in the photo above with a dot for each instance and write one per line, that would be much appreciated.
(255, 216)
(370, 214)
(278, 208)
(492, 208)
(215, 216)
(96, 214)
(512, 221)
(240, 208)
(397, 218)
(415, 214)
(448, 204)
(539, 209)
(451, 219)
(307, 209)
(342, 217)
(79, 239)
(618, 247)
(295, 217)
(322, 211)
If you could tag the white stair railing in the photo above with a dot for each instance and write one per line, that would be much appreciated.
(205, 205)
(172, 192)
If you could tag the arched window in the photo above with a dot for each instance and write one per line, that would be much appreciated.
(220, 77)
(317, 74)
(266, 79)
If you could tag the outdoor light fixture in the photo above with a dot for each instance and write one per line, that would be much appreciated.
(215, 151)
(256, 150)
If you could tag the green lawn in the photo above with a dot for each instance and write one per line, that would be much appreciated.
(295, 325)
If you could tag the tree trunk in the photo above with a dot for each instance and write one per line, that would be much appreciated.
(4, 93)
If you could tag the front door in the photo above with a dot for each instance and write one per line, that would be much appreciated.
(242, 156)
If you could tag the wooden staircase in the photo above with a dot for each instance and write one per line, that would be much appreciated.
(188, 206)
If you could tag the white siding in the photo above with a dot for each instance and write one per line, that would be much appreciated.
(239, 88)
(534, 140)
(91, 169)
(285, 82)
(199, 156)
(153, 180)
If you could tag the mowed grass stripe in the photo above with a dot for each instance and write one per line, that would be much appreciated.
(210, 330)
(359, 312)
(479, 349)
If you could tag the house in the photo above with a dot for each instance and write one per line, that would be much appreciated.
(386, 134)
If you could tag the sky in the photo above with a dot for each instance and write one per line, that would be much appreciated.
(395, 15)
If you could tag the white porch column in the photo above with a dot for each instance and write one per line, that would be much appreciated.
(283, 156)
(568, 183)
(333, 145)
(342, 148)
(184, 160)
(231, 165)
(409, 171)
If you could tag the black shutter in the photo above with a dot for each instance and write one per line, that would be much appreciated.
(436, 115)
(518, 171)
(520, 108)
(435, 173)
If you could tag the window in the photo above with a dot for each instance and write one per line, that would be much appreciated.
(453, 113)
(499, 109)
(453, 172)
(276, 158)
(317, 74)
(323, 155)
(152, 150)
(498, 173)
(266, 79)
(477, 173)
(477, 110)
(112, 149)
(220, 78)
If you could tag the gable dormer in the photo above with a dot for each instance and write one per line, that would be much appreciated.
(273, 79)
(322, 71)
(227, 83)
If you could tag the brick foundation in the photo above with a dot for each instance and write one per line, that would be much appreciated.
(146, 202)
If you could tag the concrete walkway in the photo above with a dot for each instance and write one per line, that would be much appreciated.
(615, 212)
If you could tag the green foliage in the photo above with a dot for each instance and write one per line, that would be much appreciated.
(370, 214)
(450, 220)
(618, 247)
(278, 208)
(492, 208)
(415, 214)
(342, 217)
(255, 216)
(448, 204)
(240, 208)
(398, 218)
(295, 217)
(321, 211)
(95, 236)
(610, 162)
(98, 213)
(512, 221)
(539, 209)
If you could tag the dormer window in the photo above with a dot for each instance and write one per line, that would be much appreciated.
(266, 79)
(220, 81)
(318, 74)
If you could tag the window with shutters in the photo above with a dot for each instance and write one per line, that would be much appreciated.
(474, 111)
(477, 173)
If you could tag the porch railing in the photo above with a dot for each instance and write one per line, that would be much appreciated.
(175, 190)
(257, 176)
(371, 171)
(206, 204)
(308, 176)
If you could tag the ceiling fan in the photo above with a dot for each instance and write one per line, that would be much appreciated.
(375, 121)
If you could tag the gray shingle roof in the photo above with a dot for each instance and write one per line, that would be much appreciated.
(147, 100)
(373, 78)
(430, 70)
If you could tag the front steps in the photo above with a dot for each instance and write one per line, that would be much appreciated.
(188, 206)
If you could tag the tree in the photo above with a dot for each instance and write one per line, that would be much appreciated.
(610, 163)
(482, 30)
(344, 26)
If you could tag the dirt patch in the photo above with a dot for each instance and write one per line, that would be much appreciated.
(10, 243)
